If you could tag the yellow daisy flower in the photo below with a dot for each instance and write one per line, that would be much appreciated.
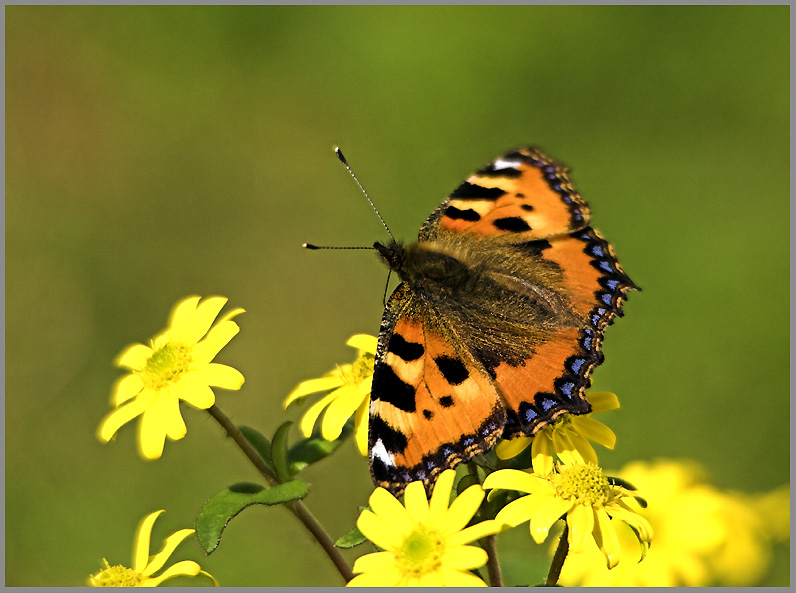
(579, 493)
(423, 542)
(567, 437)
(145, 566)
(703, 536)
(176, 366)
(350, 395)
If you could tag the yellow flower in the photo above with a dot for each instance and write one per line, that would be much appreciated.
(567, 437)
(144, 566)
(423, 543)
(703, 536)
(584, 495)
(350, 396)
(177, 366)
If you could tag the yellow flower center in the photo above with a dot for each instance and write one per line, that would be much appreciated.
(421, 552)
(586, 484)
(363, 366)
(116, 576)
(166, 365)
(361, 370)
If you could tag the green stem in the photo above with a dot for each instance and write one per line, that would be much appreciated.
(492, 563)
(558, 558)
(489, 543)
(297, 507)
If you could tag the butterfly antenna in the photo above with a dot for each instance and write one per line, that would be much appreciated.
(311, 246)
(340, 156)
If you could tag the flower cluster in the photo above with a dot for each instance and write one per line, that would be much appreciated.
(703, 536)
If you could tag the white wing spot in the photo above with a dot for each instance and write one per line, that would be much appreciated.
(501, 164)
(379, 451)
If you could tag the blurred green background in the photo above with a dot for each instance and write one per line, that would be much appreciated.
(153, 153)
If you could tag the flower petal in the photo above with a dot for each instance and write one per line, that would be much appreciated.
(386, 506)
(639, 524)
(456, 578)
(463, 557)
(416, 504)
(542, 453)
(141, 553)
(521, 510)
(441, 496)
(152, 431)
(172, 419)
(361, 427)
(310, 417)
(182, 317)
(511, 448)
(348, 399)
(219, 336)
(463, 508)
(386, 577)
(134, 357)
(126, 387)
(121, 416)
(364, 342)
(159, 559)
(184, 568)
(199, 323)
(595, 430)
(580, 519)
(375, 561)
(603, 401)
(325, 383)
(546, 516)
(606, 538)
(475, 532)
(581, 451)
(380, 531)
(219, 375)
(514, 479)
(192, 389)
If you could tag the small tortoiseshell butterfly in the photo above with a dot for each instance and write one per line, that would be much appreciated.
(496, 325)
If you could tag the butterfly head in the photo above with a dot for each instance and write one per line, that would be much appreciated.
(393, 255)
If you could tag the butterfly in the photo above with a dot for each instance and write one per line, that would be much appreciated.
(496, 324)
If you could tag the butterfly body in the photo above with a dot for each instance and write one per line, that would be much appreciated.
(496, 325)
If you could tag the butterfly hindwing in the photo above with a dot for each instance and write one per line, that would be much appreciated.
(431, 407)
(551, 381)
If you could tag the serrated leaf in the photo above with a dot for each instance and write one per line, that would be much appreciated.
(260, 444)
(279, 452)
(224, 506)
(351, 539)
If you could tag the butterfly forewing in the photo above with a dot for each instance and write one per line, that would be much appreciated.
(522, 195)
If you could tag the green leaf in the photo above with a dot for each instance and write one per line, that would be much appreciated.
(351, 539)
(260, 444)
(224, 506)
(309, 451)
(466, 481)
(279, 452)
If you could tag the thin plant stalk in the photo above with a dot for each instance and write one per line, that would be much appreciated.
(297, 507)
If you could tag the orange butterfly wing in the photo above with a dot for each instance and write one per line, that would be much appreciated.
(429, 409)
(508, 286)
(521, 196)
